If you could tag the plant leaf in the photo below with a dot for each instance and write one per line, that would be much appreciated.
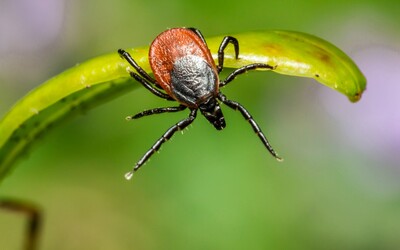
(103, 78)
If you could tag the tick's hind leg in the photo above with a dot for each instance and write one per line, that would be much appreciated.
(148, 86)
(139, 69)
(237, 106)
(145, 79)
(166, 136)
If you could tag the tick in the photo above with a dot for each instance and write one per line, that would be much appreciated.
(185, 72)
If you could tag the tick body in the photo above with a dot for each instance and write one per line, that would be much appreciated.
(185, 72)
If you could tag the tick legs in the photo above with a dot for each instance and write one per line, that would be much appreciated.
(33, 228)
(156, 111)
(166, 136)
(198, 33)
(244, 69)
(143, 77)
(224, 43)
(139, 69)
(237, 106)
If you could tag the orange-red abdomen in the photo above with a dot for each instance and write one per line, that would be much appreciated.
(183, 66)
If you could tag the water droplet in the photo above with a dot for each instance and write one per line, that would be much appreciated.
(83, 79)
(129, 175)
(34, 110)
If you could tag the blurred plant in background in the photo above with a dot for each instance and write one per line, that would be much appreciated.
(337, 189)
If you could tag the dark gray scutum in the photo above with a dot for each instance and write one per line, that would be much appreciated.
(193, 81)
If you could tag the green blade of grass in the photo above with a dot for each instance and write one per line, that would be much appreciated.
(103, 78)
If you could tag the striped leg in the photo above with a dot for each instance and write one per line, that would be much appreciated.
(244, 69)
(221, 55)
(166, 136)
(237, 106)
(156, 111)
(142, 77)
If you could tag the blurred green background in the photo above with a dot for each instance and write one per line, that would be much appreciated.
(338, 187)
